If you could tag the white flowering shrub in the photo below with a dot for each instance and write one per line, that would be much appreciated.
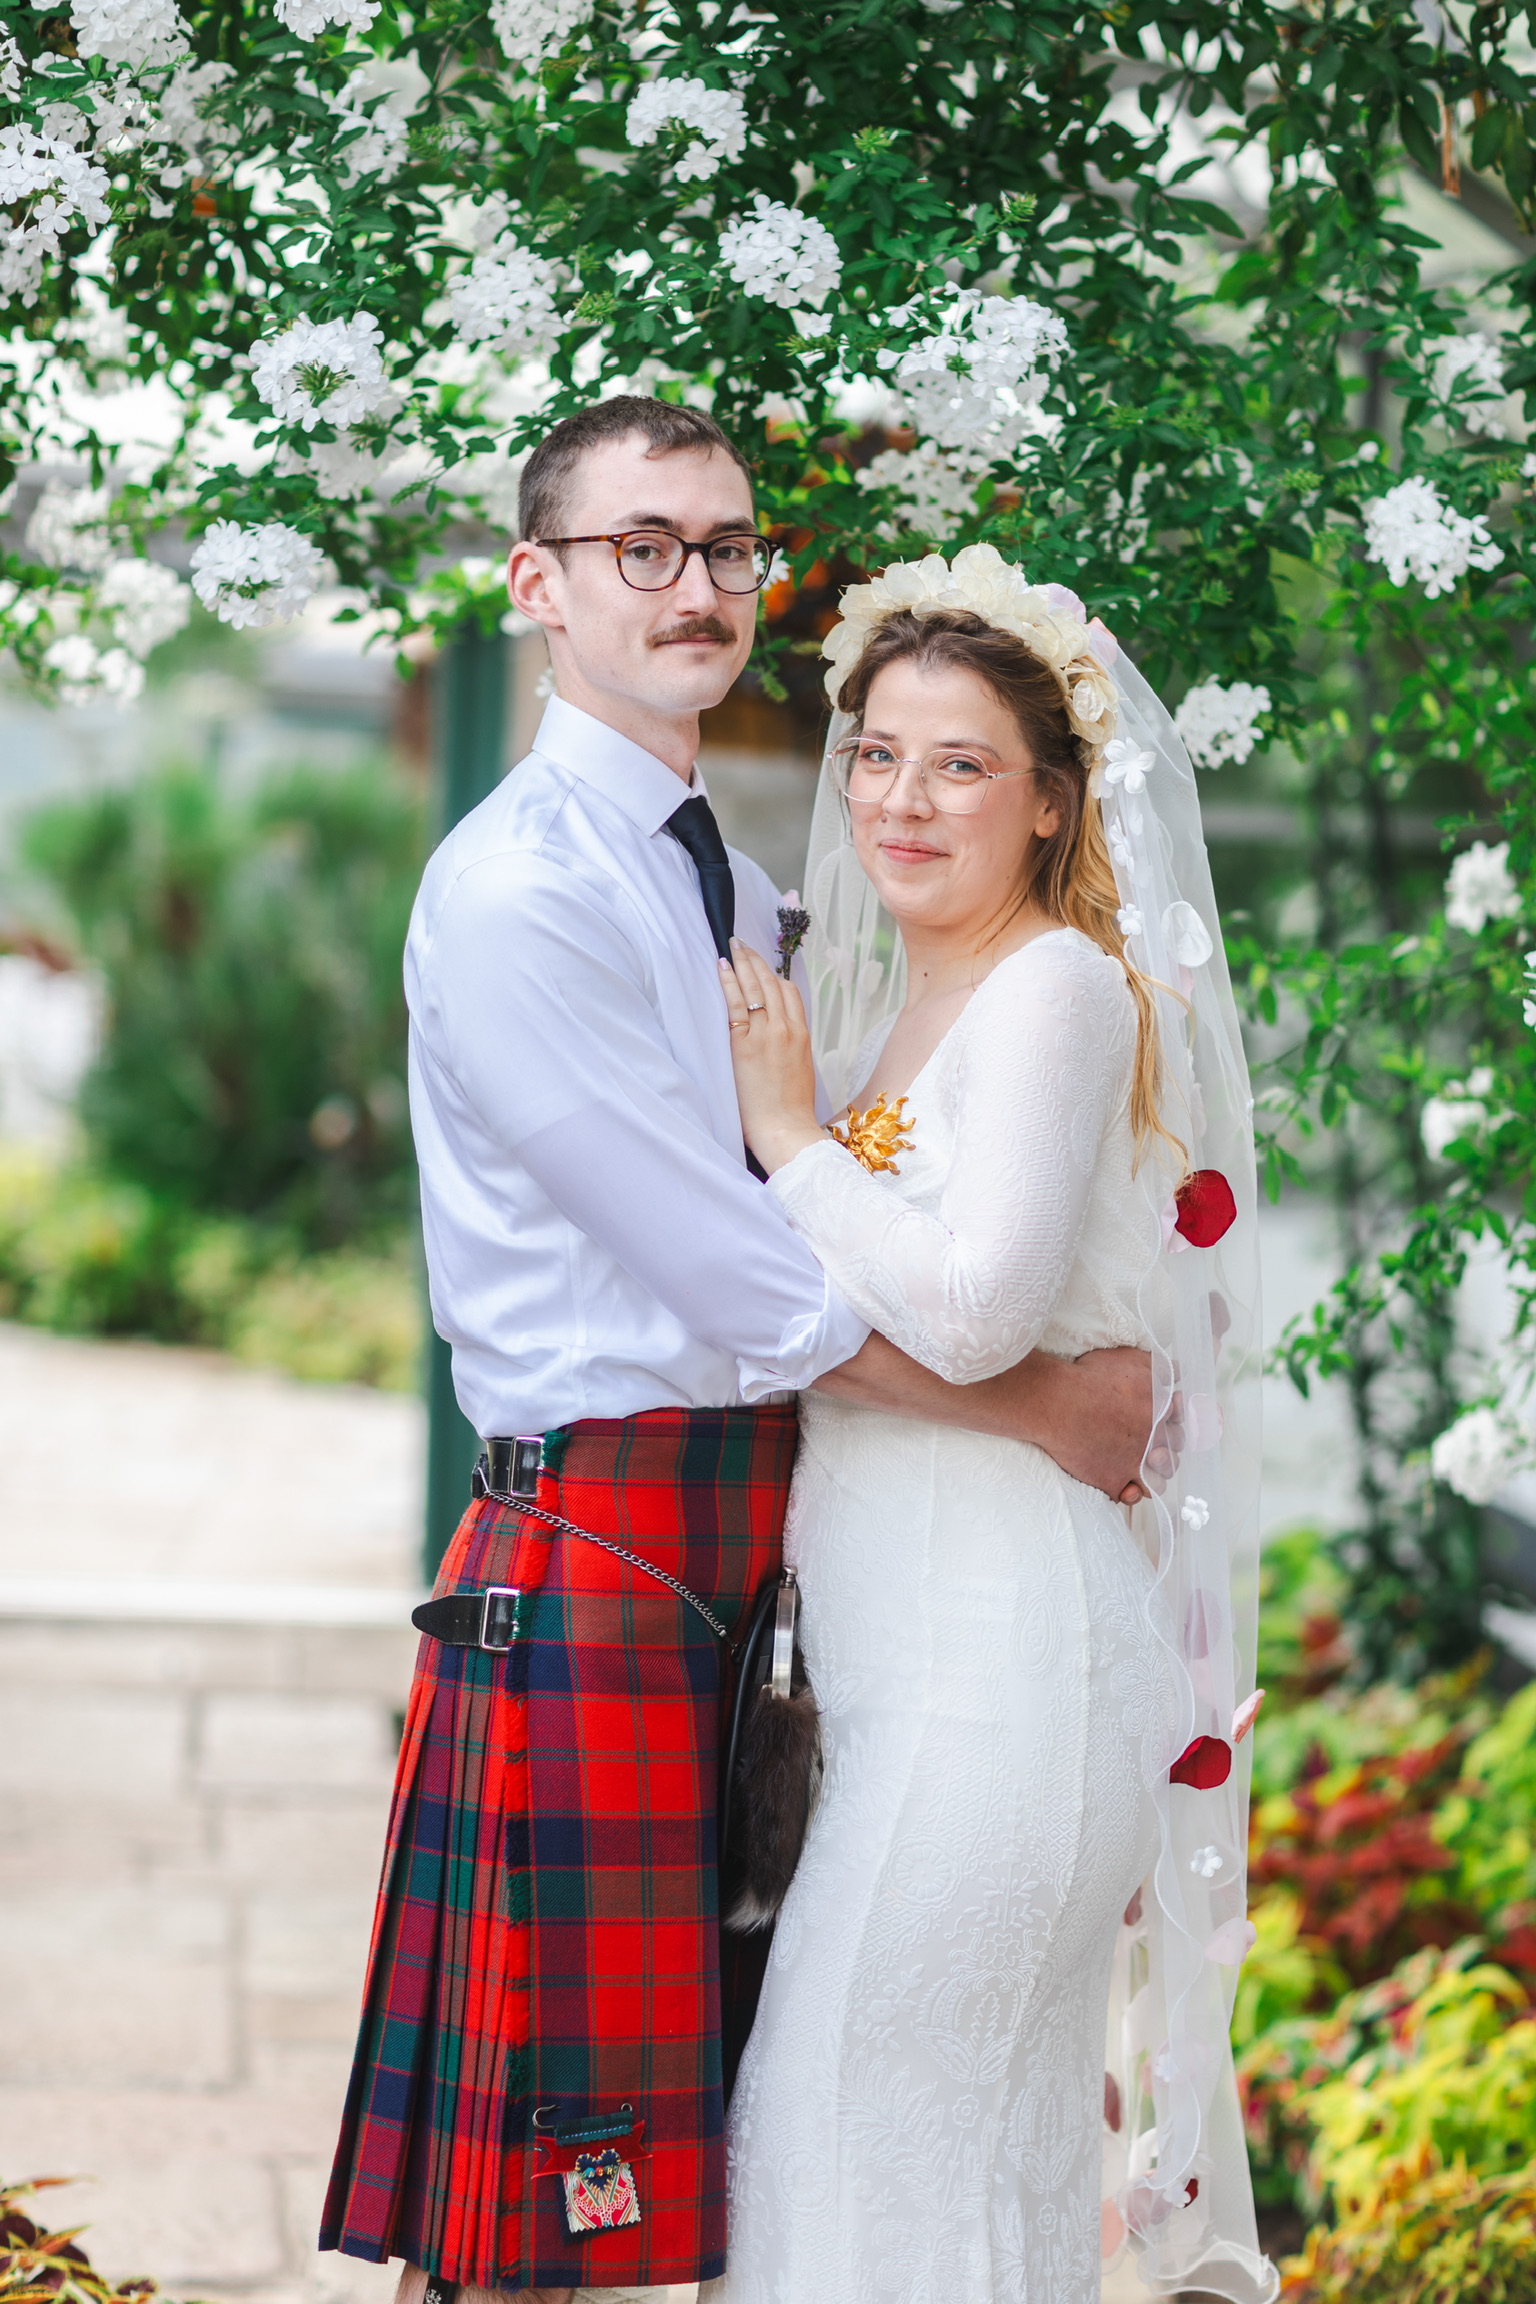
(934, 488)
(83, 673)
(975, 381)
(1479, 1454)
(307, 19)
(255, 576)
(780, 255)
(143, 603)
(1470, 373)
(1221, 724)
(55, 188)
(1419, 537)
(330, 372)
(506, 300)
(128, 31)
(1480, 887)
(530, 30)
(68, 527)
(1462, 1110)
(717, 117)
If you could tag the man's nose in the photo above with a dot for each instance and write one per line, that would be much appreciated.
(695, 591)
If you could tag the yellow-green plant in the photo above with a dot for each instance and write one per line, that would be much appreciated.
(1425, 2235)
(42, 2267)
(1489, 1825)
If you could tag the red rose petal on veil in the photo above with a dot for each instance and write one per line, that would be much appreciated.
(1206, 1208)
(1204, 1764)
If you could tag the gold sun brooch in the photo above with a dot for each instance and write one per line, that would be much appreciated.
(876, 1136)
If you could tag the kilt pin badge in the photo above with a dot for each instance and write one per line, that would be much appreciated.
(598, 2178)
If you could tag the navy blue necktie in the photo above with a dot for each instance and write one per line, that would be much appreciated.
(693, 827)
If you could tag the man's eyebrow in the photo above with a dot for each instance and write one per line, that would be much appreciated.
(739, 524)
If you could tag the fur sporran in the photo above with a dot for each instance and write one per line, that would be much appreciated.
(773, 1765)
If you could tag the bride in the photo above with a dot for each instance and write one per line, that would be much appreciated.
(1030, 1838)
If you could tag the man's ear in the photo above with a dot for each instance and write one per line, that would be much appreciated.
(529, 571)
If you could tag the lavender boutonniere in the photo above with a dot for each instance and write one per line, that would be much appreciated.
(793, 925)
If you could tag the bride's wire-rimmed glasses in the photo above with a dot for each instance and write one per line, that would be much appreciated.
(866, 771)
(653, 560)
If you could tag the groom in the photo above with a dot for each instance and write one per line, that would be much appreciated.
(536, 2104)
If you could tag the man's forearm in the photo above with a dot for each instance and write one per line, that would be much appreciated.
(1092, 1416)
(881, 1376)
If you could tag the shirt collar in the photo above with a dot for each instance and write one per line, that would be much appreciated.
(644, 787)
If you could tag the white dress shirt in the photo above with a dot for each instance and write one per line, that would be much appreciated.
(595, 1244)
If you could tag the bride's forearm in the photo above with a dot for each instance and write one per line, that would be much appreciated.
(1093, 1415)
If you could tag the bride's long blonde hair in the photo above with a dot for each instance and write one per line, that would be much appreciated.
(1069, 876)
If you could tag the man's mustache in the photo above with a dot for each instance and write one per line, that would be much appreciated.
(694, 628)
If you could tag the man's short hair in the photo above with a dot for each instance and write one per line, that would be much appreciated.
(544, 490)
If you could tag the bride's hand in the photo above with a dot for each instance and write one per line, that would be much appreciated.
(771, 1053)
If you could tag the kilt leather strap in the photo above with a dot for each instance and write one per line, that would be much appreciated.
(465, 1617)
(490, 1619)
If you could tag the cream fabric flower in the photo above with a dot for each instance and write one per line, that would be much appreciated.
(1047, 618)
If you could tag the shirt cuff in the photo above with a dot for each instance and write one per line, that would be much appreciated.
(807, 1350)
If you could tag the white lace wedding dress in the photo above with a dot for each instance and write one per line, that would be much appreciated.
(919, 2114)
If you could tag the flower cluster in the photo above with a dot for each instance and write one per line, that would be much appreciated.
(1477, 358)
(1479, 1454)
(1413, 532)
(144, 602)
(1480, 887)
(132, 32)
(86, 674)
(180, 125)
(373, 108)
(1462, 1110)
(506, 300)
(68, 527)
(255, 575)
(976, 382)
(66, 190)
(530, 30)
(307, 19)
(718, 118)
(12, 66)
(780, 255)
(322, 372)
(935, 487)
(1528, 1003)
(358, 465)
(1220, 724)
(1047, 618)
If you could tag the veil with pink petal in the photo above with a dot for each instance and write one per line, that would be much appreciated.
(1177, 2189)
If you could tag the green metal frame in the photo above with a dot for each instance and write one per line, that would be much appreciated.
(471, 695)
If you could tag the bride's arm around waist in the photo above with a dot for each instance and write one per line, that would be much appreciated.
(1043, 1065)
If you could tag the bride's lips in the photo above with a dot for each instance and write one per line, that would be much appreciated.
(910, 851)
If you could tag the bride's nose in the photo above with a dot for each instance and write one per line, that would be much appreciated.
(908, 795)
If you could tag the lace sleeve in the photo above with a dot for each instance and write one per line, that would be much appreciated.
(1043, 1065)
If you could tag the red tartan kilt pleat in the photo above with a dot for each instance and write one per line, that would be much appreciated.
(547, 1925)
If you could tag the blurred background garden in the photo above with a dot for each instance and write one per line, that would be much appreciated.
(1269, 416)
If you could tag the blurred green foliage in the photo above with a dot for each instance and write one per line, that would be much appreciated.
(249, 941)
(86, 1253)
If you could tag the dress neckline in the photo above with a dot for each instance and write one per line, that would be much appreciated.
(949, 1031)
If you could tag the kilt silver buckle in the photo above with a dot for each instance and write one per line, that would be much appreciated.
(496, 1618)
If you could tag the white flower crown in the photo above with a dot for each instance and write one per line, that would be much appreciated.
(1050, 620)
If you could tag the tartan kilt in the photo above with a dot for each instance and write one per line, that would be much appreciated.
(547, 1931)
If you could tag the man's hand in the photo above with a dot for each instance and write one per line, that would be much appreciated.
(1093, 1416)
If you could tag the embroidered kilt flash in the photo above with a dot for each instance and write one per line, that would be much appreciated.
(546, 1941)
